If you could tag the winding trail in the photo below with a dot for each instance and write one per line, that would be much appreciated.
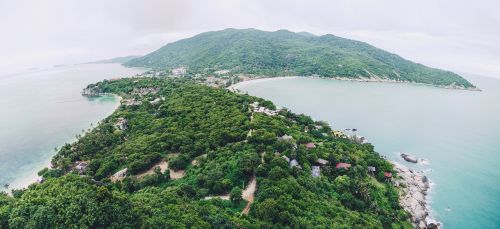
(174, 175)
(248, 194)
(163, 167)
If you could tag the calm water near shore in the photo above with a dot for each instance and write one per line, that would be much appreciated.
(43, 110)
(456, 131)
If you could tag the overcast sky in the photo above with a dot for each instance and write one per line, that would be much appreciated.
(458, 35)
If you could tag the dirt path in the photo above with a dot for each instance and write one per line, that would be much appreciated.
(249, 134)
(224, 197)
(174, 175)
(248, 194)
(196, 162)
(163, 167)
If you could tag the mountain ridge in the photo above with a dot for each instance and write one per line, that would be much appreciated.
(285, 53)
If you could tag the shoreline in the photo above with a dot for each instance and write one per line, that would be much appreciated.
(24, 181)
(233, 87)
(414, 187)
(246, 81)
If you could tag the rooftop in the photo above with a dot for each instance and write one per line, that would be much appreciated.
(342, 165)
(310, 145)
(321, 161)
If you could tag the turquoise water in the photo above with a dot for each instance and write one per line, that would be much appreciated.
(457, 131)
(43, 110)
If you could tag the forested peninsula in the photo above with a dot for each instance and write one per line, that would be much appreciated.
(252, 53)
(179, 154)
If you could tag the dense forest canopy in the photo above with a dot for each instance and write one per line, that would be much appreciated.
(284, 53)
(215, 143)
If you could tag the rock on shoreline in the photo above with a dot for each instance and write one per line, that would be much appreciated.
(409, 158)
(413, 198)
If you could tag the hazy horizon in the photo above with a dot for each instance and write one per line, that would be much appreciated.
(451, 35)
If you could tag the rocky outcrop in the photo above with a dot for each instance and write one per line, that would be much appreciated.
(92, 92)
(409, 158)
(413, 197)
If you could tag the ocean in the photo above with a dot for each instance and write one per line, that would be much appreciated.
(457, 132)
(42, 110)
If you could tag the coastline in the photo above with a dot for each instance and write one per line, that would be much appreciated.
(233, 87)
(414, 187)
(246, 81)
(28, 178)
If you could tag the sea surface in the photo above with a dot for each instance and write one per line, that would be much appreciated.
(42, 110)
(457, 132)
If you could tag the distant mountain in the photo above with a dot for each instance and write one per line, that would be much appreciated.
(118, 60)
(281, 53)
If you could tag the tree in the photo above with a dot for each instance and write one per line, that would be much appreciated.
(236, 195)
(179, 162)
(196, 120)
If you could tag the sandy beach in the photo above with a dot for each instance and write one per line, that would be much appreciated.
(248, 80)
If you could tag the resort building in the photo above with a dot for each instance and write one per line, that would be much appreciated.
(285, 138)
(343, 165)
(321, 162)
(310, 145)
(81, 166)
(121, 124)
(316, 171)
(338, 134)
(295, 163)
(371, 169)
(179, 71)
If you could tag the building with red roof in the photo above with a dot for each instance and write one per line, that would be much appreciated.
(310, 145)
(343, 165)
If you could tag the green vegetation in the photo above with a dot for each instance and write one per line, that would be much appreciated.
(231, 145)
(284, 53)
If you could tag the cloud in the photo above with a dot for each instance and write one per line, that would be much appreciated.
(153, 41)
(451, 34)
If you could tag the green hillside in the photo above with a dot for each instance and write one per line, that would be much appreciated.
(283, 53)
(215, 144)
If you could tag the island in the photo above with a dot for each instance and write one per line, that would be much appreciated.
(180, 154)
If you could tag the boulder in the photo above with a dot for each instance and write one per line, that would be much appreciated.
(409, 158)
(432, 224)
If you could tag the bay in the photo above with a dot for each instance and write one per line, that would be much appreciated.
(41, 110)
(456, 131)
